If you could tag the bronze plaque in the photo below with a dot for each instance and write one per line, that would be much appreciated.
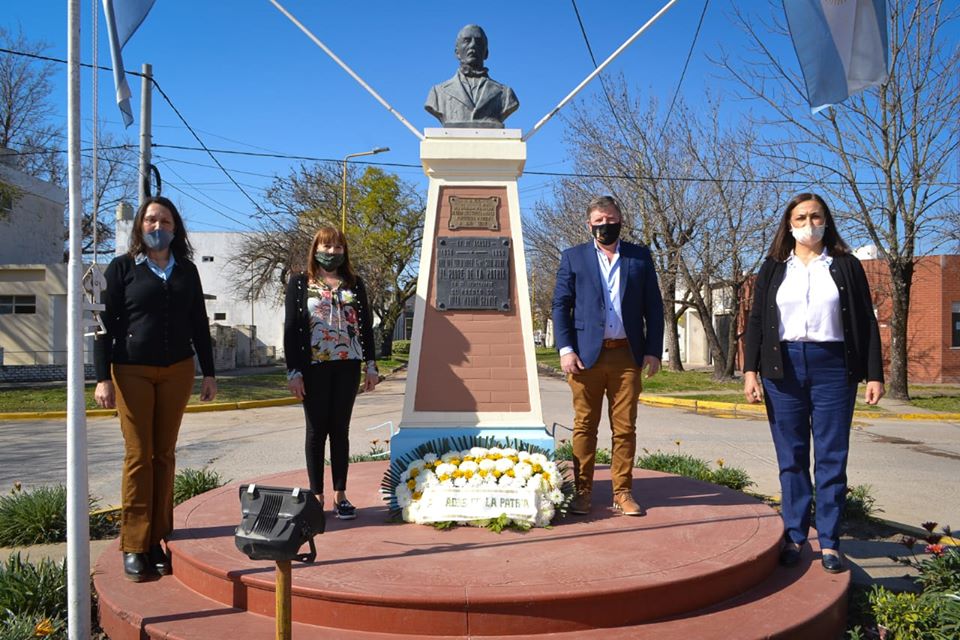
(474, 213)
(473, 273)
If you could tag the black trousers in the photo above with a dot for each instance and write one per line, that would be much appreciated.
(331, 389)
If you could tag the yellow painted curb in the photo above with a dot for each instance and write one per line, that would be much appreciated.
(259, 404)
(714, 406)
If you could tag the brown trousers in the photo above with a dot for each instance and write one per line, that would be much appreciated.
(617, 376)
(150, 403)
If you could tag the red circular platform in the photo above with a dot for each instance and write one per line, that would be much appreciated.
(700, 550)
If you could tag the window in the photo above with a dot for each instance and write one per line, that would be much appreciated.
(219, 316)
(955, 323)
(18, 304)
(207, 259)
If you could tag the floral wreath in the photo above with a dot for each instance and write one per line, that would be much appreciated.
(473, 463)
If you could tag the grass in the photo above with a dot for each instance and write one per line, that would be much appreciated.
(950, 404)
(192, 482)
(32, 596)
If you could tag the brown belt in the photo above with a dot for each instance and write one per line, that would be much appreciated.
(615, 343)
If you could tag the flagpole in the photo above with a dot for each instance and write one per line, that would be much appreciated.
(344, 66)
(78, 523)
(597, 71)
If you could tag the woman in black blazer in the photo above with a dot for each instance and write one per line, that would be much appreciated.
(811, 337)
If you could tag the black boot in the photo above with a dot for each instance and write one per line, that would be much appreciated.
(136, 566)
(159, 559)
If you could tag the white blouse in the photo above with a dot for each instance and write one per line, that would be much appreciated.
(809, 302)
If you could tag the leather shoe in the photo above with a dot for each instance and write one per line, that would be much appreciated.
(626, 505)
(832, 563)
(136, 566)
(790, 555)
(159, 560)
(580, 505)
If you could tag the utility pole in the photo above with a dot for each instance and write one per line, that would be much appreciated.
(145, 138)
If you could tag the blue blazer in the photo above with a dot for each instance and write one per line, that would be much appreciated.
(579, 302)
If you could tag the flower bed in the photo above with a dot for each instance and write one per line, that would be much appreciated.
(478, 482)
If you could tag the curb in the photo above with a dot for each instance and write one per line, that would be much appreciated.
(191, 408)
(731, 408)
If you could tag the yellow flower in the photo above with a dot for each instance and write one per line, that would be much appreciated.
(515, 459)
(411, 484)
(496, 474)
(468, 458)
(44, 628)
(414, 472)
(443, 478)
(537, 468)
(510, 473)
(468, 474)
(720, 462)
(417, 495)
(455, 461)
(457, 473)
(482, 473)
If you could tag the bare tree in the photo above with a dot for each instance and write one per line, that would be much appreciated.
(26, 108)
(882, 156)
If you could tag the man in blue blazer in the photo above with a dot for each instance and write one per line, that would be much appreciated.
(608, 323)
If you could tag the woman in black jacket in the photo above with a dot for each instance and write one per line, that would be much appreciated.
(155, 319)
(327, 338)
(812, 336)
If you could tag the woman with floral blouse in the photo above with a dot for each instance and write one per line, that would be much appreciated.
(328, 339)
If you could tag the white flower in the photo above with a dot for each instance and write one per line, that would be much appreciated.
(460, 482)
(487, 464)
(539, 458)
(449, 455)
(478, 452)
(510, 451)
(469, 465)
(490, 479)
(503, 465)
(430, 458)
(475, 480)
(404, 476)
(445, 469)
(522, 470)
(496, 451)
(555, 496)
(505, 481)
(417, 464)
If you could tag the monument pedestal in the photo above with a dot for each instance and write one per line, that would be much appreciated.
(472, 362)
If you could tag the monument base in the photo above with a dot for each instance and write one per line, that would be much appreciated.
(408, 439)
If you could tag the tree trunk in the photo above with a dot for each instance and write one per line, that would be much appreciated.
(901, 277)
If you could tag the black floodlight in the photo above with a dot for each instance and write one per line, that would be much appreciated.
(277, 521)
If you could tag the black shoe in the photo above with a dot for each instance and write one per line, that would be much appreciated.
(136, 566)
(345, 510)
(159, 560)
(790, 555)
(832, 563)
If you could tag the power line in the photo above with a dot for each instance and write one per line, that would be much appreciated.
(683, 73)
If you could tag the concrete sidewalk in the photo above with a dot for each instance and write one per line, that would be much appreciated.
(910, 466)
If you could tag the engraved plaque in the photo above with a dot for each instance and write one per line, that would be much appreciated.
(473, 273)
(474, 213)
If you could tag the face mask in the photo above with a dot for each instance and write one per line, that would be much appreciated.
(328, 261)
(158, 239)
(805, 235)
(606, 233)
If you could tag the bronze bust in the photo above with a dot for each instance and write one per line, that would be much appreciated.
(470, 98)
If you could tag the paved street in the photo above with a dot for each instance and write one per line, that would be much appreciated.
(911, 466)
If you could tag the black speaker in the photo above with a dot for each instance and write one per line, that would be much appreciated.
(277, 521)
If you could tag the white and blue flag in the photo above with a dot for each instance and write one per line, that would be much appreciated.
(841, 45)
(123, 18)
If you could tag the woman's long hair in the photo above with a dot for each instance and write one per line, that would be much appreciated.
(180, 245)
(783, 241)
(330, 235)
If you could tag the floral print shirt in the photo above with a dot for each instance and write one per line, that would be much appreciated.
(334, 323)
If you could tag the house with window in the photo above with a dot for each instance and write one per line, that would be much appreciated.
(33, 276)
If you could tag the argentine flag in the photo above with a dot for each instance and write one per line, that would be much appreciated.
(841, 45)
(123, 18)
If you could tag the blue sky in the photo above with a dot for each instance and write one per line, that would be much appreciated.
(247, 79)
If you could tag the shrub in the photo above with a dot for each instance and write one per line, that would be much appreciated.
(909, 616)
(21, 626)
(192, 482)
(30, 593)
(861, 505)
(941, 572)
(564, 451)
(680, 464)
(39, 516)
(401, 347)
(732, 477)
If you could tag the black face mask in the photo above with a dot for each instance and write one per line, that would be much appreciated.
(606, 233)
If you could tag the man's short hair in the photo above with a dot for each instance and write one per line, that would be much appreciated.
(604, 202)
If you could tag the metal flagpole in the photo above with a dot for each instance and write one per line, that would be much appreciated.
(344, 66)
(78, 523)
(597, 71)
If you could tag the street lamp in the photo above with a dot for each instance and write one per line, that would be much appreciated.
(343, 200)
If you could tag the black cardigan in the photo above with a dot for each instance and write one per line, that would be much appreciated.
(861, 334)
(152, 321)
(296, 324)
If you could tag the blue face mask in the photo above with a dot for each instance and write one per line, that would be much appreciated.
(158, 239)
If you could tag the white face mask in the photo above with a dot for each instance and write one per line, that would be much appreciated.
(807, 234)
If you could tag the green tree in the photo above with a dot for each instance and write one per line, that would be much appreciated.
(384, 231)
